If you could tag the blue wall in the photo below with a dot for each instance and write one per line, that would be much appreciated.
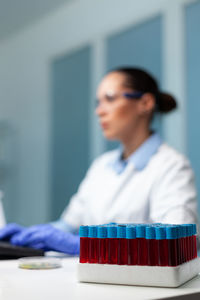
(70, 126)
(139, 46)
(192, 18)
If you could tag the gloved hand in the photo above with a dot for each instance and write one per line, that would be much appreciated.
(10, 230)
(47, 237)
(21, 237)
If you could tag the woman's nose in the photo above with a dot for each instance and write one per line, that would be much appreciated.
(100, 109)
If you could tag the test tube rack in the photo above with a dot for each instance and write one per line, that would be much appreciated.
(138, 254)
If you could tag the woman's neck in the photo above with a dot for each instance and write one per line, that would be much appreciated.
(133, 143)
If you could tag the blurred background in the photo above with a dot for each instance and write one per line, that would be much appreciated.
(52, 57)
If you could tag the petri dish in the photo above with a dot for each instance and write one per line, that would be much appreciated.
(39, 263)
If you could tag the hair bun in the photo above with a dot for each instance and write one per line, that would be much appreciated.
(166, 102)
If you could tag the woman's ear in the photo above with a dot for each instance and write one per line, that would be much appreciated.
(147, 103)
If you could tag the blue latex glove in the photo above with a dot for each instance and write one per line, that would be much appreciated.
(10, 230)
(48, 237)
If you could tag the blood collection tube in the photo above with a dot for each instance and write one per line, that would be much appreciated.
(190, 242)
(187, 241)
(163, 255)
(112, 245)
(171, 235)
(103, 244)
(194, 233)
(83, 232)
(179, 245)
(132, 245)
(142, 245)
(152, 246)
(93, 245)
(183, 243)
(122, 245)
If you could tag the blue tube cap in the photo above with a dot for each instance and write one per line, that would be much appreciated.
(121, 231)
(179, 231)
(183, 230)
(131, 232)
(92, 231)
(150, 232)
(112, 231)
(140, 231)
(83, 231)
(171, 232)
(194, 229)
(102, 232)
(160, 233)
(188, 229)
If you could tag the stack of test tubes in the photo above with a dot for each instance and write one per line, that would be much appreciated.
(138, 244)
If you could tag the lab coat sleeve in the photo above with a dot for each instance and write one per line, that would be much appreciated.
(174, 197)
(74, 213)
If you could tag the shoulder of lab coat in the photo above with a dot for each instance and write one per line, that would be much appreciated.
(73, 213)
(173, 195)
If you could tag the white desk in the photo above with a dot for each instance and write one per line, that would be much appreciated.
(62, 284)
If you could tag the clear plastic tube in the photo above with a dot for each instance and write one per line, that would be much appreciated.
(142, 245)
(83, 232)
(103, 244)
(122, 246)
(83, 258)
(93, 245)
(152, 245)
(132, 245)
(171, 235)
(194, 241)
(112, 245)
(163, 255)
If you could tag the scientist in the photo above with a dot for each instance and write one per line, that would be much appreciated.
(144, 180)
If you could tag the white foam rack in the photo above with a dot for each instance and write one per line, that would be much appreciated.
(139, 275)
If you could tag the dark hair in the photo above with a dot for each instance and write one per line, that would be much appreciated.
(142, 81)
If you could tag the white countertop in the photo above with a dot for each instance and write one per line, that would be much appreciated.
(61, 283)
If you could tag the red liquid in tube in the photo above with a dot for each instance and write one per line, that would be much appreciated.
(132, 244)
(113, 251)
(163, 253)
(93, 254)
(142, 252)
(103, 251)
(83, 250)
(152, 252)
(132, 252)
(93, 245)
(83, 232)
(172, 235)
(142, 245)
(113, 245)
(195, 246)
(152, 245)
(123, 252)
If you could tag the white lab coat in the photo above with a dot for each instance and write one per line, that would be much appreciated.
(163, 191)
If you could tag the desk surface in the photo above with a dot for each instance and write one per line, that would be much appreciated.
(62, 284)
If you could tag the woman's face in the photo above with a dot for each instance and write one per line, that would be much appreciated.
(119, 117)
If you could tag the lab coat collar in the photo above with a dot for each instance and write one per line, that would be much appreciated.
(140, 157)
